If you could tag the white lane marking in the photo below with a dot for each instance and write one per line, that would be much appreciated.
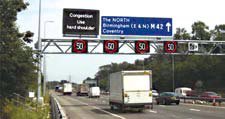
(152, 111)
(197, 110)
(162, 105)
(203, 106)
(115, 115)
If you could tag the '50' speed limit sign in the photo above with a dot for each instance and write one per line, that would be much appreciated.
(79, 46)
(170, 46)
(141, 47)
(111, 46)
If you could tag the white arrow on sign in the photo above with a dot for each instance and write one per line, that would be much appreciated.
(168, 25)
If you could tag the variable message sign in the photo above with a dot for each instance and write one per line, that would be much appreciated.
(79, 46)
(80, 22)
(114, 25)
(170, 46)
(111, 46)
(141, 47)
(192, 46)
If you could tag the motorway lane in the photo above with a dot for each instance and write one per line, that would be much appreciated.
(183, 111)
(190, 112)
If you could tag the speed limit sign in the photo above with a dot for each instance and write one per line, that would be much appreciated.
(170, 46)
(79, 46)
(111, 46)
(141, 47)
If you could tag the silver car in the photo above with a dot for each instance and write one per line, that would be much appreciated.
(155, 93)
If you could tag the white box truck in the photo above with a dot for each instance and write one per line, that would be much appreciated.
(82, 90)
(182, 91)
(131, 89)
(67, 89)
(94, 92)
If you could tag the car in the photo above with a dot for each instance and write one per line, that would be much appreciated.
(166, 98)
(58, 88)
(210, 95)
(193, 93)
(155, 93)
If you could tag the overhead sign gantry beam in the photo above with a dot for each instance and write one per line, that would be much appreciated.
(132, 47)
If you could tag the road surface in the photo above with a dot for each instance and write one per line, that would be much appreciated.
(97, 108)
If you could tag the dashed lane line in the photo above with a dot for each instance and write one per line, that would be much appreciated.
(152, 111)
(162, 105)
(203, 106)
(197, 110)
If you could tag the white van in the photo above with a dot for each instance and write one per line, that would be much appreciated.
(94, 92)
(181, 91)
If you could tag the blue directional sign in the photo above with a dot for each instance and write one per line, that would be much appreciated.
(115, 25)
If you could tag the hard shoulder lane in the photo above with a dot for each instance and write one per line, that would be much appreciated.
(76, 109)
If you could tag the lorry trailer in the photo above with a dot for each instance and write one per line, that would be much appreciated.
(83, 90)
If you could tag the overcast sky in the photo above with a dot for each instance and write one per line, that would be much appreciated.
(183, 12)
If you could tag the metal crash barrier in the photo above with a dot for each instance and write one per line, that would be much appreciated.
(214, 101)
(57, 112)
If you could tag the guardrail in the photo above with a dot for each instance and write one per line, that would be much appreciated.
(57, 112)
(195, 99)
(104, 93)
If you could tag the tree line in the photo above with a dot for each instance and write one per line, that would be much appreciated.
(18, 71)
(197, 72)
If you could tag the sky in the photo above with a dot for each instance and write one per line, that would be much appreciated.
(59, 67)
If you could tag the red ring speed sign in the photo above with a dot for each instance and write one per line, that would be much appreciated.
(111, 46)
(79, 46)
(141, 47)
(170, 46)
